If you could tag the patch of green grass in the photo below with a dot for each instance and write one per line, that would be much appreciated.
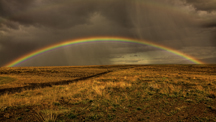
(204, 119)
(77, 95)
(172, 96)
(94, 116)
(160, 110)
(62, 108)
(210, 107)
(164, 78)
(139, 108)
(146, 106)
(122, 100)
(209, 100)
(134, 111)
(27, 110)
(166, 102)
(159, 95)
(199, 99)
(111, 116)
(72, 116)
(205, 111)
(116, 105)
(56, 103)
(189, 100)
(113, 109)
(141, 119)
(146, 111)
(105, 102)
(61, 87)
(173, 112)
(5, 80)
(126, 110)
(150, 93)
(147, 99)
(139, 95)
(19, 118)
(200, 119)
(93, 108)
(76, 103)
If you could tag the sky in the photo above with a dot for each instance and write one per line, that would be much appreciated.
(188, 26)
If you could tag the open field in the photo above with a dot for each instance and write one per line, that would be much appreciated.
(130, 93)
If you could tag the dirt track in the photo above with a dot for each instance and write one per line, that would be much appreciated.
(50, 84)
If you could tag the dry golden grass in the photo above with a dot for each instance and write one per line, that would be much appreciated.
(200, 88)
(49, 95)
(131, 90)
(28, 79)
(25, 75)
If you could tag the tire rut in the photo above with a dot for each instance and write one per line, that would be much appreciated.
(32, 86)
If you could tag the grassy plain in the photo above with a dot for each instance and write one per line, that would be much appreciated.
(109, 93)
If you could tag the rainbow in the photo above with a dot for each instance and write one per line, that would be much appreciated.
(98, 39)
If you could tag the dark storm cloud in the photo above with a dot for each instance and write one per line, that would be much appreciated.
(27, 25)
(11, 7)
(209, 24)
(47, 13)
(50, 17)
(210, 60)
(8, 24)
(117, 11)
(13, 50)
(64, 14)
(208, 16)
(173, 27)
(206, 5)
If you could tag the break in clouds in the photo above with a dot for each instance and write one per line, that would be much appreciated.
(188, 26)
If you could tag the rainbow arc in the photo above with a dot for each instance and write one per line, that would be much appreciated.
(99, 39)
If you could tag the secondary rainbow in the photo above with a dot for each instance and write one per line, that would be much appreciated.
(99, 39)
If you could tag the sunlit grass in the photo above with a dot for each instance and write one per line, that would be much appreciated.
(121, 95)
(6, 80)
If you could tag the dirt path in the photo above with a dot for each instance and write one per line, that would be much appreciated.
(33, 86)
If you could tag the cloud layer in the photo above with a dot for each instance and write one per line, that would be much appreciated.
(27, 25)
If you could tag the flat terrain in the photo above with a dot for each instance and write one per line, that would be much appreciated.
(126, 93)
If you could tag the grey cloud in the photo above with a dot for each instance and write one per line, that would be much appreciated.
(206, 5)
(214, 38)
(10, 8)
(117, 11)
(163, 26)
(27, 25)
(209, 24)
(128, 61)
(12, 50)
(52, 14)
(64, 14)
(210, 60)
(8, 24)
